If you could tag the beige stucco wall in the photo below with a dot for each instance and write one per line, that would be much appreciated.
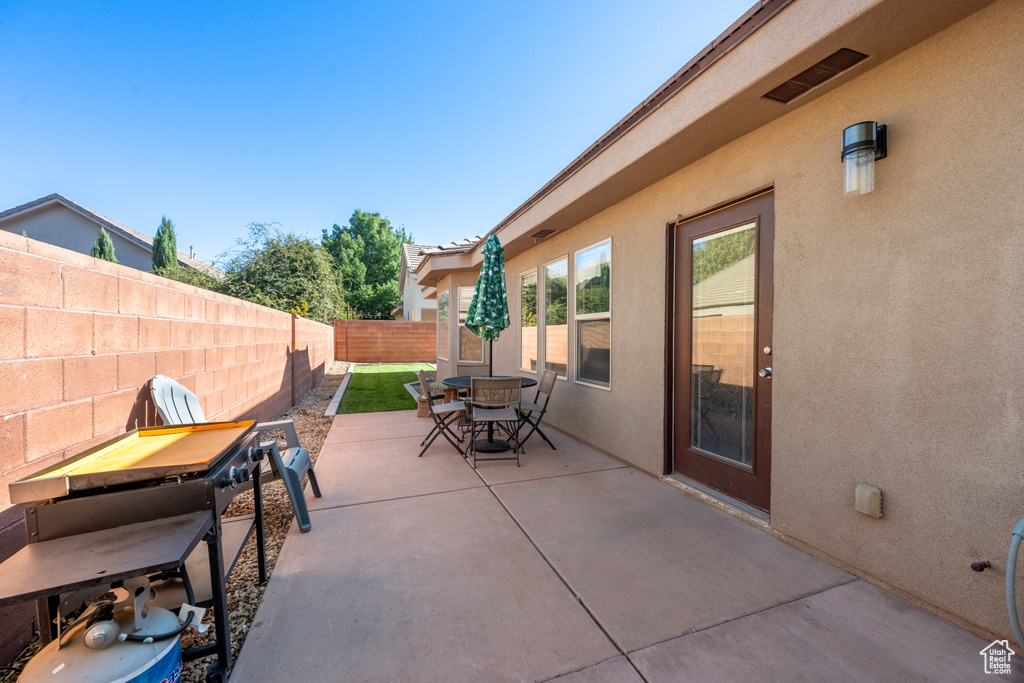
(416, 308)
(58, 225)
(449, 367)
(896, 315)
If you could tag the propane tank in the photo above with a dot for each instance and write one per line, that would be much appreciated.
(119, 662)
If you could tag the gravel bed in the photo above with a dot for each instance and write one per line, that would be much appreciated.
(244, 593)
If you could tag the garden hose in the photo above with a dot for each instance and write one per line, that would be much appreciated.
(1011, 581)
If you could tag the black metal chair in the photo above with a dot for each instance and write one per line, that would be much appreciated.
(443, 415)
(707, 384)
(528, 408)
(495, 400)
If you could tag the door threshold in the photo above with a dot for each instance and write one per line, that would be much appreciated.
(721, 497)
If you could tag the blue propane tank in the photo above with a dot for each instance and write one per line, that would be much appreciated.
(121, 662)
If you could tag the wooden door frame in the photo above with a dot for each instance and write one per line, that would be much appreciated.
(765, 259)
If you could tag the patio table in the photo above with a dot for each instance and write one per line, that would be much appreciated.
(490, 445)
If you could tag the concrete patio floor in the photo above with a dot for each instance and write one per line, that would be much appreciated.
(573, 565)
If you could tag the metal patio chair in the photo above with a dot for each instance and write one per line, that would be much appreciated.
(444, 415)
(495, 400)
(528, 408)
(707, 383)
(177, 405)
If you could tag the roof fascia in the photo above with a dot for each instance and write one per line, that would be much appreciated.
(403, 268)
(723, 103)
(434, 267)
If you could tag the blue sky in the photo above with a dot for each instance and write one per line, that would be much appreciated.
(442, 116)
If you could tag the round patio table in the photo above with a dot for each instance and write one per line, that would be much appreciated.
(490, 445)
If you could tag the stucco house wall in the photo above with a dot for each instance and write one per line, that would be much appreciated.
(450, 367)
(57, 220)
(897, 345)
(56, 224)
(417, 309)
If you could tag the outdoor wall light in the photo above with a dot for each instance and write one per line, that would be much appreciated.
(863, 145)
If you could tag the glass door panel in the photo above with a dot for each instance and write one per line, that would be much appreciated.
(722, 344)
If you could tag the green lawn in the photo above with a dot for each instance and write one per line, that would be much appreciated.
(379, 388)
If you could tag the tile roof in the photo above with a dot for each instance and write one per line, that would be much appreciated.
(731, 286)
(112, 225)
(457, 247)
(413, 255)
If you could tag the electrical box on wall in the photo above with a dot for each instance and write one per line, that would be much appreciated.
(868, 500)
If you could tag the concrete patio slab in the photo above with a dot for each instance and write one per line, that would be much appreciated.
(374, 426)
(540, 461)
(440, 588)
(407, 576)
(855, 632)
(617, 670)
(652, 563)
(363, 471)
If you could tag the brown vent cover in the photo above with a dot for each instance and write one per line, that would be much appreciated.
(831, 66)
(541, 234)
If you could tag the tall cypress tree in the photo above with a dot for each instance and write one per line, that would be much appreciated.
(165, 248)
(104, 247)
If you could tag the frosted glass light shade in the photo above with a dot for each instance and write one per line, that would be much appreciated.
(860, 171)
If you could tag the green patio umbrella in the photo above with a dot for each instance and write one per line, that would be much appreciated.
(488, 311)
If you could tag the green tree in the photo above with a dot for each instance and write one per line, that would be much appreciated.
(194, 277)
(592, 295)
(718, 253)
(104, 247)
(367, 254)
(529, 301)
(165, 249)
(284, 271)
(556, 300)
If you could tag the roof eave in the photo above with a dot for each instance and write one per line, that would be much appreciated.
(436, 267)
(724, 101)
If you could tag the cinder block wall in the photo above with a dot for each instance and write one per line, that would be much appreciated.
(313, 350)
(385, 341)
(81, 338)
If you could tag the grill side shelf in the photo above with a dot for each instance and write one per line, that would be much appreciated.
(140, 455)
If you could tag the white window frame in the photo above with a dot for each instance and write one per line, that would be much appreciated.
(448, 323)
(536, 273)
(460, 324)
(542, 310)
(592, 316)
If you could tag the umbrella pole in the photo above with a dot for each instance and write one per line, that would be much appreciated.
(490, 358)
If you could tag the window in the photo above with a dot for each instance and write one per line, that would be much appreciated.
(528, 321)
(593, 314)
(471, 347)
(556, 319)
(442, 325)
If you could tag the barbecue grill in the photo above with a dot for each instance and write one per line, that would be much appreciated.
(136, 505)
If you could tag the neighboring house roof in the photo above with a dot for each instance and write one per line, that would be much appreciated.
(731, 286)
(111, 225)
(457, 247)
(413, 255)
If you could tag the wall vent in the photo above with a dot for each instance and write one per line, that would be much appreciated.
(541, 234)
(826, 69)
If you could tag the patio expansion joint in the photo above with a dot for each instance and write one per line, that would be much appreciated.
(591, 666)
(554, 476)
(377, 439)
(557, 573)
(698, 629)
(387, 500)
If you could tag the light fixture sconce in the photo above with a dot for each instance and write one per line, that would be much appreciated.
(863, 145)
